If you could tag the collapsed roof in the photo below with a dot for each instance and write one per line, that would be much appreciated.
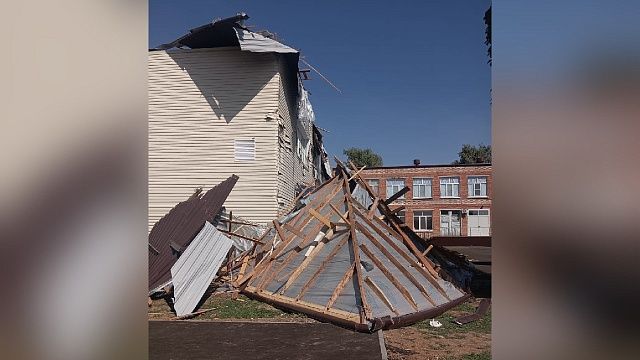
(337, 260)
(173, 233)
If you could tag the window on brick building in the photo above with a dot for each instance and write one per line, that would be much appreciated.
(421, 188)
(449, 187)
(374, 184)
(477, 186)
(423, 220)
(393, 186)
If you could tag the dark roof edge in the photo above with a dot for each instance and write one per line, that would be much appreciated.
(426, 166)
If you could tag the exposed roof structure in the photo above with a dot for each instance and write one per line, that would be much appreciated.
(171, 235)
(228, 32)
(337, 260)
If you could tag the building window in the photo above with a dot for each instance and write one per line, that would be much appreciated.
(477, 186)
(393, 186)
(374, 184)
(449, 187)
(450, 222)
(423, 220)
(421, 188)
(245, 149)
(400, 215)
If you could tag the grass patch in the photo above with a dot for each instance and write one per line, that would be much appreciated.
(242, 308)
(450, 329)
(480, 356)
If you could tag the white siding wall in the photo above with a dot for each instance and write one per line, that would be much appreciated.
(199, 102)
(291, 170)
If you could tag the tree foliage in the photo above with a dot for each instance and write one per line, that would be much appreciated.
(474, 154)
(363, 157)
(487, 32)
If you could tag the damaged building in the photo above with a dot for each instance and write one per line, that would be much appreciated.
(226, 100)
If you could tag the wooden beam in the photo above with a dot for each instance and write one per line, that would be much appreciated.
(390, 276)
(324, 263)
(356, 254)
(320, 217)
(343, 282)
(241, 236)
(356, 173)
(398, 209)
(374, 206)
(378, 291)
(398, 265)
(397, 195)
(427, 251)
(343, 217)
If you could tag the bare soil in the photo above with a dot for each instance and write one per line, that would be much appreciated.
(413, 344)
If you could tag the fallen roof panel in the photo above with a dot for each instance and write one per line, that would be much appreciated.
(197, 267)
(338, 261)
(175, 231)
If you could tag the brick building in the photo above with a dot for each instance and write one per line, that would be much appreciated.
(445, 200)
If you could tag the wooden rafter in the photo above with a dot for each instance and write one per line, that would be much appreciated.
(403, 290)
(343, 282)
(396, 263)
(381, 295)
(324, 263)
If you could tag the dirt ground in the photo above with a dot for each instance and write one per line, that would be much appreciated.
(413, 344)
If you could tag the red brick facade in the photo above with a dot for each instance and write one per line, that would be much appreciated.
(464, 209)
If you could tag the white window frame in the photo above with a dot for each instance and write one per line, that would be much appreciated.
(390, 188)
(460, 219)
(244, 149)
(422, 216)
(376, 190)
(446, 184)
(427, 183)
(471, 192)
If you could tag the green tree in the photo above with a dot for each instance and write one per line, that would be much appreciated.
(363, 157)
(474, 154)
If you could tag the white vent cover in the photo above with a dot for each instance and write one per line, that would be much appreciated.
(245, 149)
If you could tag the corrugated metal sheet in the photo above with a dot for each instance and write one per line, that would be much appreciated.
(179, 227)
(250, 41)
(197, 266)
(200, 101)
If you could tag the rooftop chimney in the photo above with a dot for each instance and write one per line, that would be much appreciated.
(416, 162)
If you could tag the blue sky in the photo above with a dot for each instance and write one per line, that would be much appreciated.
(414, 75)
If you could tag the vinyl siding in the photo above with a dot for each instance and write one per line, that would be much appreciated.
(291, 170)
(200, 101)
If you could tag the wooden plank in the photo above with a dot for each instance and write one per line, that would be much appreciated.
(378, 291)
(322, 219)
(276, 225)
(294, 275)
(324, 263)
(427, 251)
(293, 230)
(241, 236)
(390, 276)
(373, 207)
(343, 217)
(343, 282)
(287, 300)
(397, 195)
(243, 268)
(356, 173)
(356, 254)
(396, 263)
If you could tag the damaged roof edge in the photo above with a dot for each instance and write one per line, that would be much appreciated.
(228, 32)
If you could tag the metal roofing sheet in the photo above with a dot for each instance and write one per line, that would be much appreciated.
(175, 231)
(197, 266)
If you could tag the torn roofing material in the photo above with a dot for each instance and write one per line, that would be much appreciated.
(197, 267)
(171, 235)
(228, 32)
(338, 261)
